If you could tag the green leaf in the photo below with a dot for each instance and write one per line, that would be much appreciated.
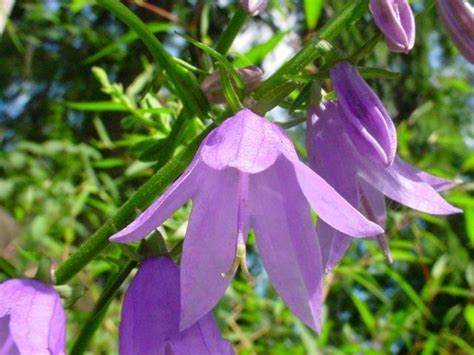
(469, 316)
(184, 82)
(312, 12)
(409, 290)
(129, 37)
(365, 313)
(98, 106)
(259, 51)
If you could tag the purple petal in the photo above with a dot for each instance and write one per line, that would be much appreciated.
(403, 185)
(458, 19)
(210, 245)
(333, 243)
(329, 155)
(365, 119)
(287, 241)
(254, 7)
(160, 210)
(372, 203)
(395, 20)
(247, 142)
(331, 207)
(151, 312)
(32, 317)
(439, 184)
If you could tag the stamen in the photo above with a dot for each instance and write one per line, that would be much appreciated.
(239, 260)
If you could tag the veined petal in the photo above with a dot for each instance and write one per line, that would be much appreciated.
(331, 207)
(160, 210)
(34, 318)
(372, 203)
(210, 245)
(458, 19)
(247, 142)
(395, 20)
(329, 155)
(365, 119)
(333, 243)
(151, 312)
(439, 184)
(287, 241)
(403, 185)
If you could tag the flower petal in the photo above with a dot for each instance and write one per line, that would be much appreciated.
(37, 322)
(333, 243)
(209, 246)
(247, 142)
(160, 210)
(331, 207)
(286, 239)
(151, 312)
(439, 184)
(364, 117)
(403, 185)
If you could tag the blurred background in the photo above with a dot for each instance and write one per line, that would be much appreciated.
(82, 116)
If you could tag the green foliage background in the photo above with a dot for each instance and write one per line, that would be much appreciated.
(83, 122)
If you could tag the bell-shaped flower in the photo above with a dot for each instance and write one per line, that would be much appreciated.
(32, 318)
(251, 77)
(365, 118)
(254, 7)
(395, 20)
(458, 19)
(245, 175)
(362, 182)
(150, 316)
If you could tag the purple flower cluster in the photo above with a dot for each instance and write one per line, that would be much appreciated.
(247, 175)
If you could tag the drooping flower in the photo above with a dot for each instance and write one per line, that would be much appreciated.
(362, 182)
(365, 118)
(247, 174)
(150, 316)
(254, 7)
(32, 318)
(251, 77)
(395, 20)
(458, 19)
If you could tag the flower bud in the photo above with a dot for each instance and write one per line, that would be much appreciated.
(395, 20)
(212, 87)
(254, 7)
(458, 19)
(365, 118)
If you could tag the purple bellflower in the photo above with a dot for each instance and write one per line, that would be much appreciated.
(362, 182)
(366, 120)
(32, 318)
(254, 7)
(395, 20)
(150, 316)
(458, 19)
(245, 175)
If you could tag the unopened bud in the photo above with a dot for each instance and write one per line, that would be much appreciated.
(212, 87)
(395, 20)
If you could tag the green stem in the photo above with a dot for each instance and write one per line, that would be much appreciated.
(141, 199)
(276, 88)
(232, 30)
(100, 309)
(184, 82)
(8, 269)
